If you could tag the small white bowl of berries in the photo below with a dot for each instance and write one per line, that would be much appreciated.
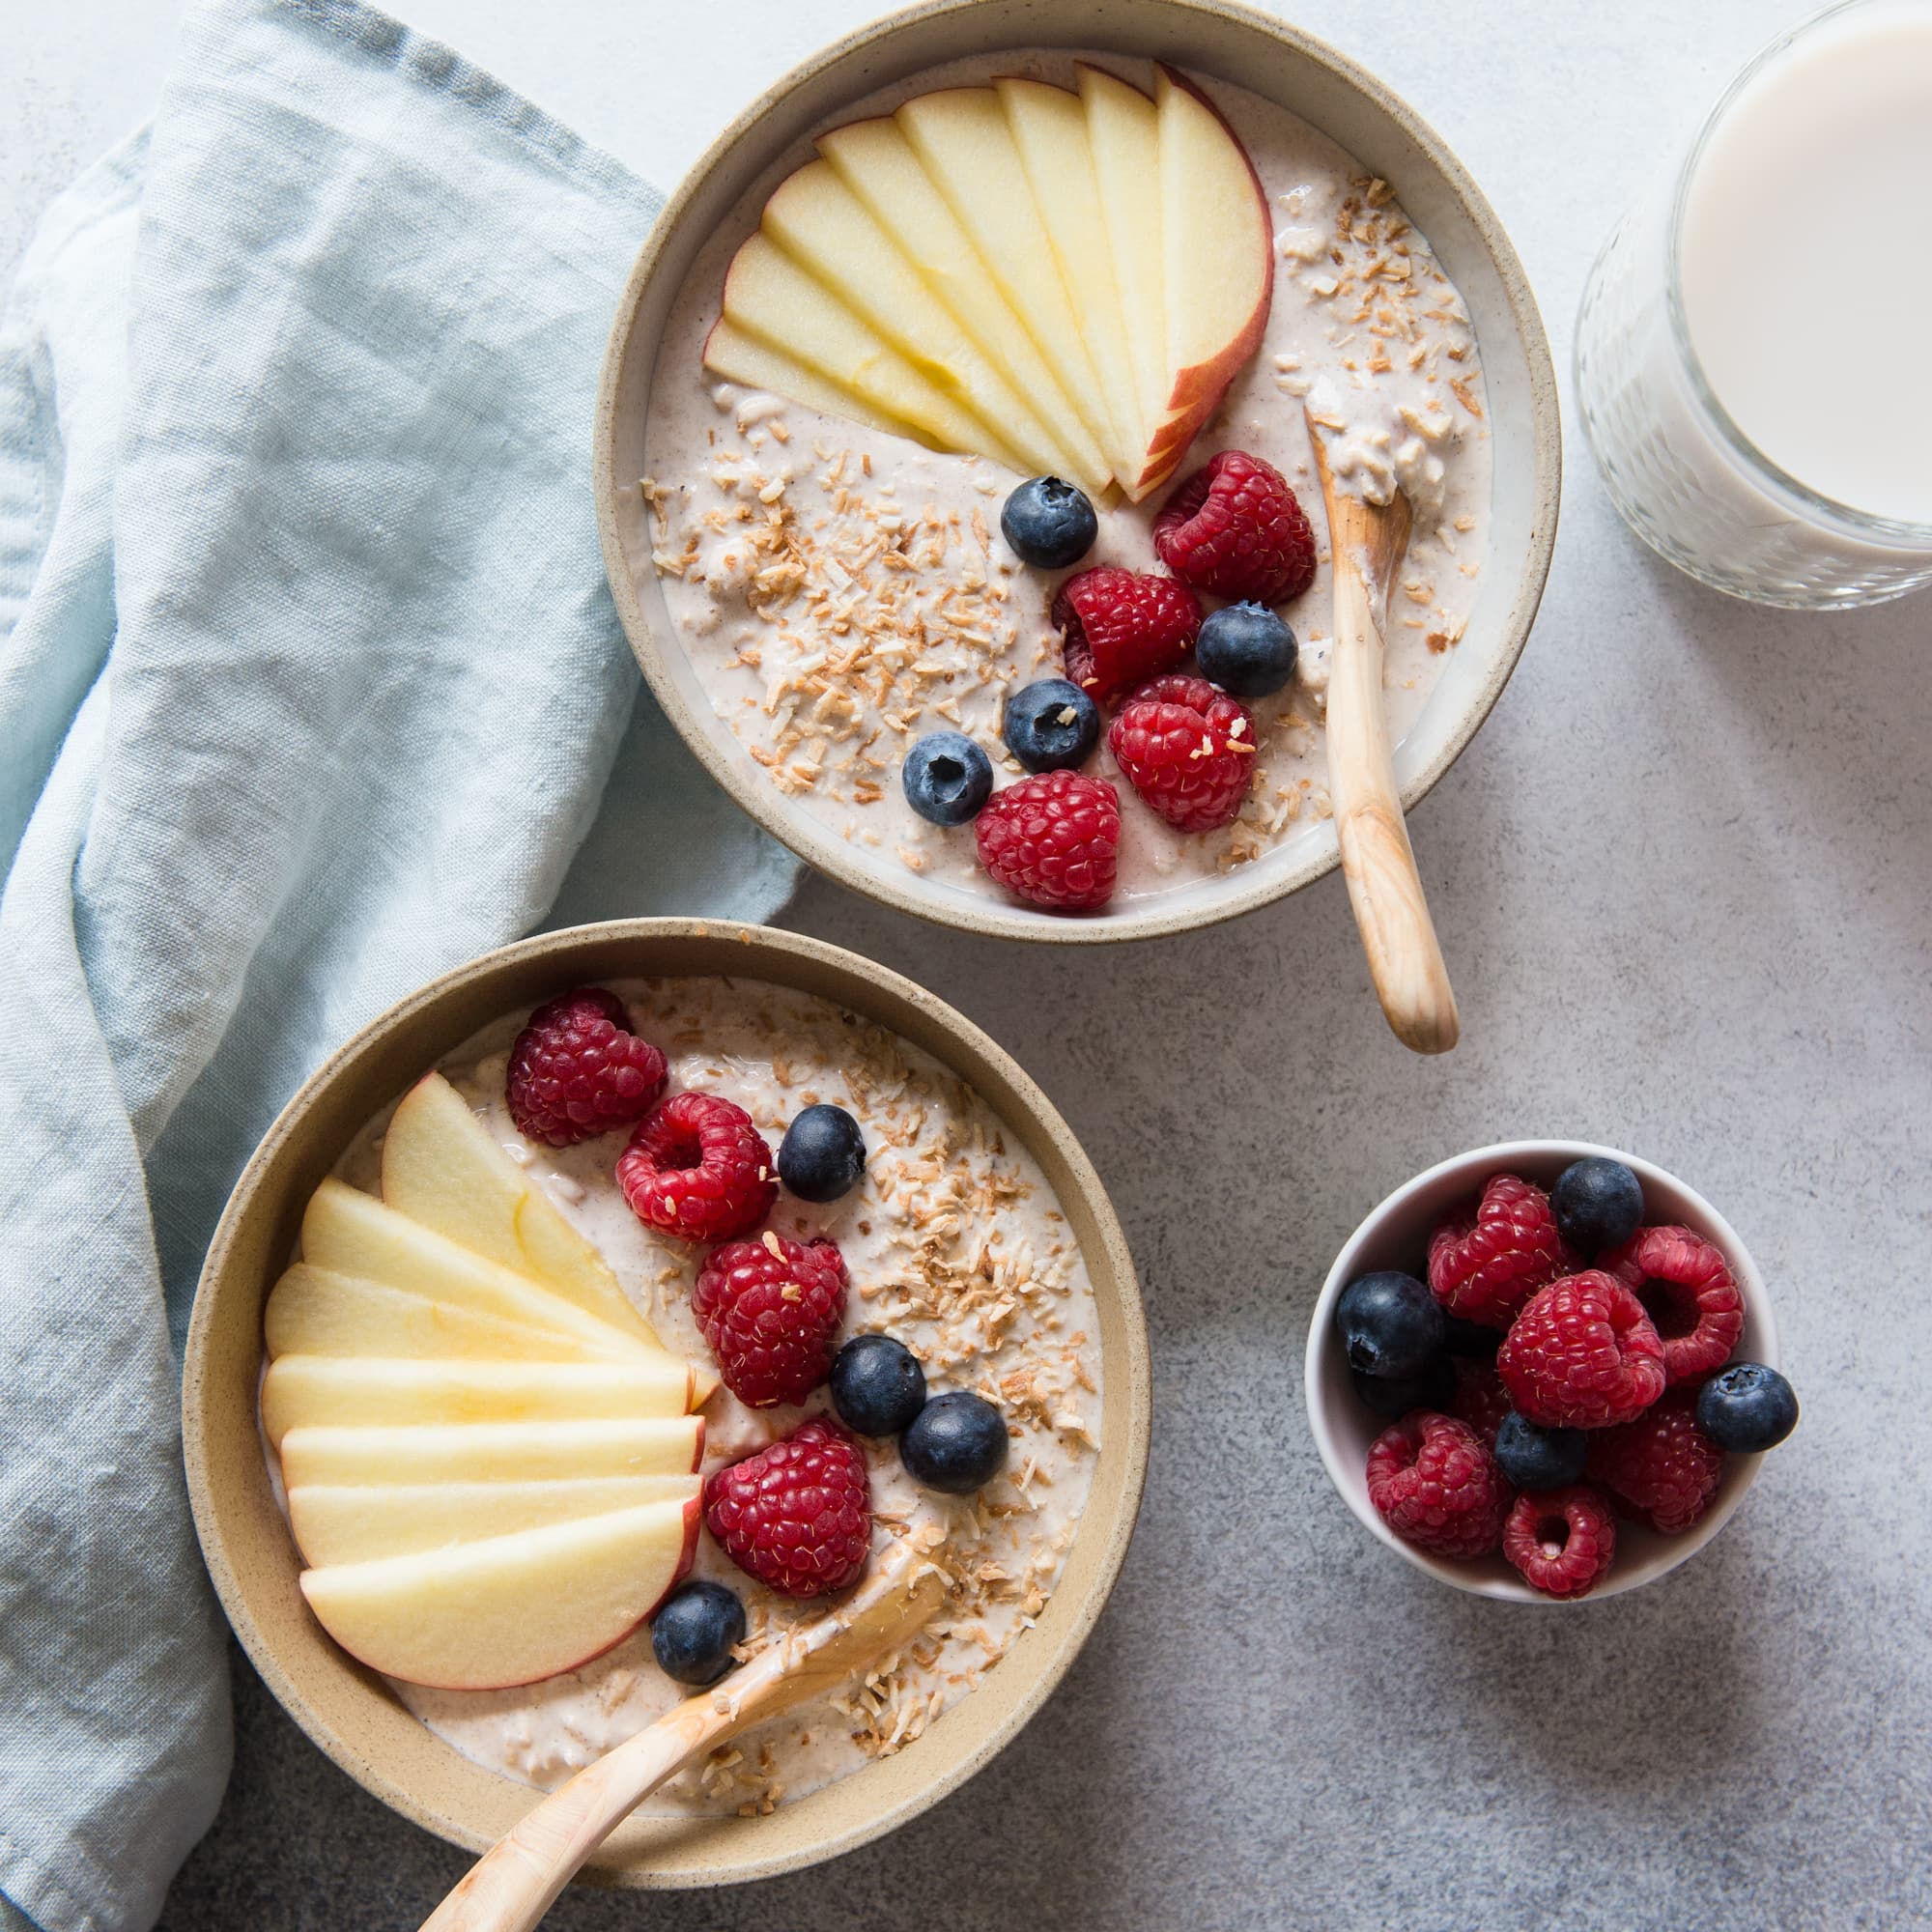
(1545, 1371)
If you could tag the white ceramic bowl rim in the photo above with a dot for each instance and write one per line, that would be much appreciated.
(1468, 1169)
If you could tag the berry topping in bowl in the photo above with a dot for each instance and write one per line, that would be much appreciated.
(798, 1515)
(1562, 1540)
(1049, 523)
(1187, 749)
(771, 1310)
(1598, 1203)
(578, 1069)
(956, 1443)
(1484, 1265)
(1534, 1457)
(695, 1631)
(1437, 1487)
(823, 1154)
(1051, 724)
(1390, 1324)
(1582, 1354)
(1235, 528)
(1120, 629)
(1746, 1408)
(1054, 840)
(947, 778)
(1686, 1288)
(877, 1385)
(699, 1169)
(1477, 1395)
(1661, 1464)
(1246, 649)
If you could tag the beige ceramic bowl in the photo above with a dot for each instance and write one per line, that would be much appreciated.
(1230, 42)
(1395, 1236)
(344, 1707)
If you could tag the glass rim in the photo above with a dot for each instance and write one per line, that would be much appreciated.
(1866, 524)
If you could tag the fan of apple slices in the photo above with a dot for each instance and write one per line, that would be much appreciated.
(490, 1458)
(1063, 282)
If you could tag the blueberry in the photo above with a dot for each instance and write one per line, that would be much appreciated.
(1394, 1395)
(948, 778)
(1391, 1325)
(693, 1631)
(1598, 1203)
(957, 1442)
(1747, 1408)
(1049, 523)
(1050, 725)
(1472, 1340)
(1539, 1459)
(823, 1154)
(878, 1384)
(1246, 649)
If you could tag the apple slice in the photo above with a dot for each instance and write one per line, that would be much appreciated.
(823, 226)
(738, 358)
(768, 296)
(959, 135)
(347, 1232)
(1049, 129)
(876, 161)
(351, 1390)
(336, 1525)
(442, 1166)
(1124, 138)
(313, 1312)
(509, 1609)
(491, 1452)
(1217, 248)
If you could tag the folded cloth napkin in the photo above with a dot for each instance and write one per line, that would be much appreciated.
(309, 687)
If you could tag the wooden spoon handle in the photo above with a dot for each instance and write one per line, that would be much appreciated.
(514, 1882)
(1384, 886)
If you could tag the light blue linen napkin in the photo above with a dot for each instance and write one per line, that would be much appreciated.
(309, 687)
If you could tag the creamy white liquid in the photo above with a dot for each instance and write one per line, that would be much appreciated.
(1805, 264)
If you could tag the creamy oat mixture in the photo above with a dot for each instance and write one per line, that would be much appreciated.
(955, 1244)
(840, 593)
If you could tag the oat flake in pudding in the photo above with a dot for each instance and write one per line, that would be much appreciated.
(955, 1243)
(840, 591)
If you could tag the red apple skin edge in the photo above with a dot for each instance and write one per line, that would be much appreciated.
(694, 1519)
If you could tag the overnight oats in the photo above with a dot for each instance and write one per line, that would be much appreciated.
(641, 1330)
(979, 464)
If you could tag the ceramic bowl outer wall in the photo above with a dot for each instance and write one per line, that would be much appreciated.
(1224, 42)
(1395, 1236)
(344, 1707)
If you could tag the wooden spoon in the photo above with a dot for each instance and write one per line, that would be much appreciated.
(511, 1886)
(1366, 542)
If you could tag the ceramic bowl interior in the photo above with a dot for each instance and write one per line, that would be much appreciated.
(345, 1708)
(1220, 41)
(1395, 1236)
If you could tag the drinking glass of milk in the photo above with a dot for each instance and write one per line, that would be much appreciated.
(1753, 354)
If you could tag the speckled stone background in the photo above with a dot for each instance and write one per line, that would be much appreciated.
(1683, 878)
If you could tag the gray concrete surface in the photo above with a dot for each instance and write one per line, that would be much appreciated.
(1683, 880)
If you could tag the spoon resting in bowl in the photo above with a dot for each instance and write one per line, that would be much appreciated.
(512, 1885)
(1366, 542)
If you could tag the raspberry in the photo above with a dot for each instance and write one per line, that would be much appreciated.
(1685, 1287)
(1484, 1266)
(797, 1516)
(1054, 839)
(1480, 1399)
(1563, 1541)
(1436, 1486)
(1582, 1354)
(1235, 528)
(699, 1169)
(1662, 1464)
(771, 1311)
(1118, 629)
(1188, 750)
(577, 1071)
